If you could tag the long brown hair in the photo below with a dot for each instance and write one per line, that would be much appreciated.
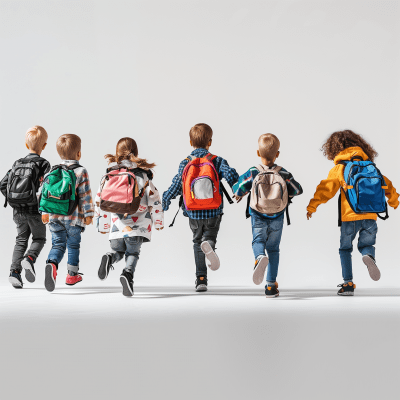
(127, 150)
(342, 140)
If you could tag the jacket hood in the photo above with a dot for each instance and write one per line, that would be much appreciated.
(349, 153)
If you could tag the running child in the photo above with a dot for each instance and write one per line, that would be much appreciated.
(361, 200)
(127, 205)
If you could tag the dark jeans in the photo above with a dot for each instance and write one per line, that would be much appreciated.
(203, 229)
(367, 230)
(27, 225)
(128, 247)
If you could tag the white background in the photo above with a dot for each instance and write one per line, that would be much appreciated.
(151, 70)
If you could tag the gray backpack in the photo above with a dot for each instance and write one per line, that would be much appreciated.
(269, 194)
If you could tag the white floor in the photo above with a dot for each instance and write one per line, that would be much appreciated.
(90, 342)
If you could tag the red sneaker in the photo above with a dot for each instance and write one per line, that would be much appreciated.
(73, 280)
(50, 277)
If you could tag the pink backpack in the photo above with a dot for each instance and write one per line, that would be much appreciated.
(119, 191)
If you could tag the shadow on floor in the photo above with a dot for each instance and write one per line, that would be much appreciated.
(157, 292)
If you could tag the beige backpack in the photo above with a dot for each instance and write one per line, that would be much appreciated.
(269, 193)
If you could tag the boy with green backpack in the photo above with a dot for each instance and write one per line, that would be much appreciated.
(66, 205)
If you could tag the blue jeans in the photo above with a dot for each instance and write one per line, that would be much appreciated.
(128, 247)
(367, 230)
(64, 235)
(267, 234)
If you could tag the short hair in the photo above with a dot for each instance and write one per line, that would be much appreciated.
(200, 135)
(35, 138)
(68, 146)
(268, 146)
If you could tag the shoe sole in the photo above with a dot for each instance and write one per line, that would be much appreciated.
(72, 284)
(346, 294)
(49, 282)
(211, 256)
(103, 268)
(373, 269)
(15, 282)
(201, 288)
(272, 295)
(29, 272)
(259, 271)
(126, 290)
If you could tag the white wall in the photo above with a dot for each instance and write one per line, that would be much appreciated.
(152, 69)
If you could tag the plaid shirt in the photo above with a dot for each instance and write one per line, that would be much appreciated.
(243, 186)
(85, 207)
(223, 170)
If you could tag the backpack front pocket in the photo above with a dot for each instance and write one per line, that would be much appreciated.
(270, 197)
(202, 188)
(370, 195)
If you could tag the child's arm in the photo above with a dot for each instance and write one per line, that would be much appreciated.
(230, 174)
(391, 194)
(154, 204)
(325, 191)
(85, 197)
(3, 184)
(176, 187)
(244, 183)
(294, 188)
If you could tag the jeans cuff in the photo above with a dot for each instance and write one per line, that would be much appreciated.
(348, 280)
(73, 268)
(53, 262)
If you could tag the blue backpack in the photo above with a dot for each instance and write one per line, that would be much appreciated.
(365, 188)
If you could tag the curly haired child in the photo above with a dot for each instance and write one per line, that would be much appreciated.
(344, 147)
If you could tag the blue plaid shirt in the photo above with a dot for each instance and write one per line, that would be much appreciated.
(223, 170)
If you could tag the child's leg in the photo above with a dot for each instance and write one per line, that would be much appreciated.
(21, 242)
(259, 229)
(348, 232)
(73, 243)
(59, 243)
(366, 242)
(38, 230)
(119, 247)
(209, 241)
(367, 237)
(133, 245)
(274, 235)
(197, 226)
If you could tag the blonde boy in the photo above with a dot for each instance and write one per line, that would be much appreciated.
(20, 187)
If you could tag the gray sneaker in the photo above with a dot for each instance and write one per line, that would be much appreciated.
(373, 269)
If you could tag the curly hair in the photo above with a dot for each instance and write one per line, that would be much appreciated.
(127, 150)
(342, 140)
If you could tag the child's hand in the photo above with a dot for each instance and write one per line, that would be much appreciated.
(45, 218)
(309, 215)
(237, 198)
(88, 220)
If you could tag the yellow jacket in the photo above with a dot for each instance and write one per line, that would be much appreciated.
(327, 189)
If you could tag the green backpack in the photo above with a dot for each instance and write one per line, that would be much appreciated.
(59, 191)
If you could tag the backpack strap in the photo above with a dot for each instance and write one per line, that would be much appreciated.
(210, 157)
(179, 207)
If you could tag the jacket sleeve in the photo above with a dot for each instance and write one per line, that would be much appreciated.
(244, 183)
(228, 173)
(176, 187)
(3, 184)
(294, 188)
(326, 190)
(154, 203)
(391, 194)
(85, 195)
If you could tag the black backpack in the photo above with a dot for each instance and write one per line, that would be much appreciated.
(21, 187)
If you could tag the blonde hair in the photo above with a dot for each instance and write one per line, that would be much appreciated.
(268, 146)
(127, 150)
(35, 138)
(200, 135)
(68, 146)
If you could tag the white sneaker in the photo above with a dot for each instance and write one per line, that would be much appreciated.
(259, 269)
(212, 260)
